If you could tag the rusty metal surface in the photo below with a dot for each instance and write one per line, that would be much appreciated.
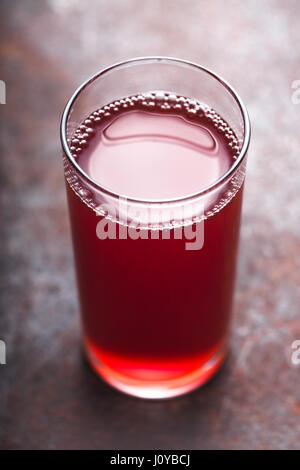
(49, 397)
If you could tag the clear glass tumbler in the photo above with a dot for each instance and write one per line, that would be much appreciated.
(156, 312)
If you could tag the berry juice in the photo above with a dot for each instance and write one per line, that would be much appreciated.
(155, 314)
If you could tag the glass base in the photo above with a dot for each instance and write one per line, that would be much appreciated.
(160, 389)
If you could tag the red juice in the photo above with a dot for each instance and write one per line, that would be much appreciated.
(155, 315)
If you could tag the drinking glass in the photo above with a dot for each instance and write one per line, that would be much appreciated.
(155, 311)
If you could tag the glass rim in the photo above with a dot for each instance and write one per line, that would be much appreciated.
(163, 59)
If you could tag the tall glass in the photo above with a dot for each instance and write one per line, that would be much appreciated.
(155, 309)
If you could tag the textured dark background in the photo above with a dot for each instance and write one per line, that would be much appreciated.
(49, 397)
